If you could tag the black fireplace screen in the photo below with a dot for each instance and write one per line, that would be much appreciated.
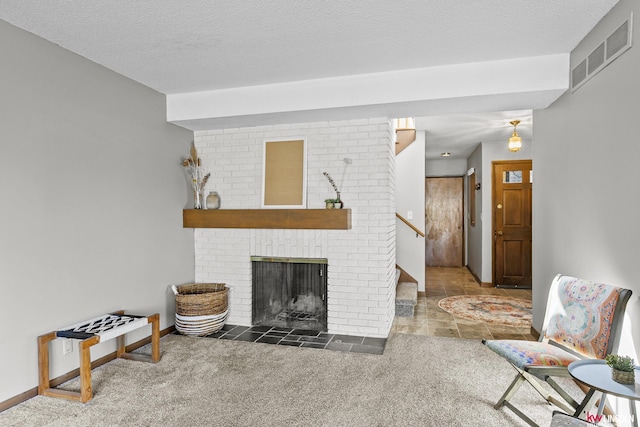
(290, 292)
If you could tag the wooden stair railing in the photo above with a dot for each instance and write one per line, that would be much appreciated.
(413, 227)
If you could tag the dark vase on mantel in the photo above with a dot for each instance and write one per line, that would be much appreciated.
(338, 203)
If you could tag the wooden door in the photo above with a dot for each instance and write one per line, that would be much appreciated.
(512, 184)
(443, 222)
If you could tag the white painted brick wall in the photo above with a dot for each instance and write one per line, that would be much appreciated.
(361, 261)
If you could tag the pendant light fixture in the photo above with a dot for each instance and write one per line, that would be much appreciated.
(515, 142)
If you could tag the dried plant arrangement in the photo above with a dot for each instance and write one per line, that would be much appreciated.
(193, 166)
(333, 184)
(337, 202)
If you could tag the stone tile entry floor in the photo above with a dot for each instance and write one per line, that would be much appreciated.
(301, 338)
(429, 319)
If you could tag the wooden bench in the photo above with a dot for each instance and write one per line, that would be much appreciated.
(92, 332)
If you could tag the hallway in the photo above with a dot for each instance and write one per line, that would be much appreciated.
(429, 319)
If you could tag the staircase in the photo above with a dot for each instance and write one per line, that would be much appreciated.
(406, 294)
(405, 133)
(406, 286)
(404, 137)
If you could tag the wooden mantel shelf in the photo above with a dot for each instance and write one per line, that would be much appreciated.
(327, 219)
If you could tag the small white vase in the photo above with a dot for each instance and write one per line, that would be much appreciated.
(213, 200)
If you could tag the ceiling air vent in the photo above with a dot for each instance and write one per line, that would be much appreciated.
(596, 59)
(579, 74)
(619, 40)
(606, 52)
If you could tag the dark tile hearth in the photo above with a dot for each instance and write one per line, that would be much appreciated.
(301, 338)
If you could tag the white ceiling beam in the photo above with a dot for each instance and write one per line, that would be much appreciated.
(253, 105)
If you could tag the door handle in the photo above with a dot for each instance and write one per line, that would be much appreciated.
(499, 233)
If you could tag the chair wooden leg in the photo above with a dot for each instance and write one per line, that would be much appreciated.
(520, 378)
(519, 413)
(508, 394)
(537, 386)
(568, 399)
(587, 403)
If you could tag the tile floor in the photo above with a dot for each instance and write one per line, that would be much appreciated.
(301, 338)
(429, 319)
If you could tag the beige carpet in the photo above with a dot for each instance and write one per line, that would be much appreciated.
(418, 381)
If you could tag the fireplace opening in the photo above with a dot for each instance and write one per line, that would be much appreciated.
(289, 292)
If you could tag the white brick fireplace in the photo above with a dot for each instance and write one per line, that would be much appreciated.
(361, 261)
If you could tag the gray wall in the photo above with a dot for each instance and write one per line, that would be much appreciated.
(474, 233)
(92, 197)
(445, 167)
(586, 199)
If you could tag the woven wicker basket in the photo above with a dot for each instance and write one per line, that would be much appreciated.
(201, 308)
(623, 377)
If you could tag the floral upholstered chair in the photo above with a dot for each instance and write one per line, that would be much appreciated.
(582, 320)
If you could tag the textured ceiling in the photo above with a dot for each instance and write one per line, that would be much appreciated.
(460, 134)
(177, 46)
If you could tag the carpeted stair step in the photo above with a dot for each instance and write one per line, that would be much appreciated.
(406, 298)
